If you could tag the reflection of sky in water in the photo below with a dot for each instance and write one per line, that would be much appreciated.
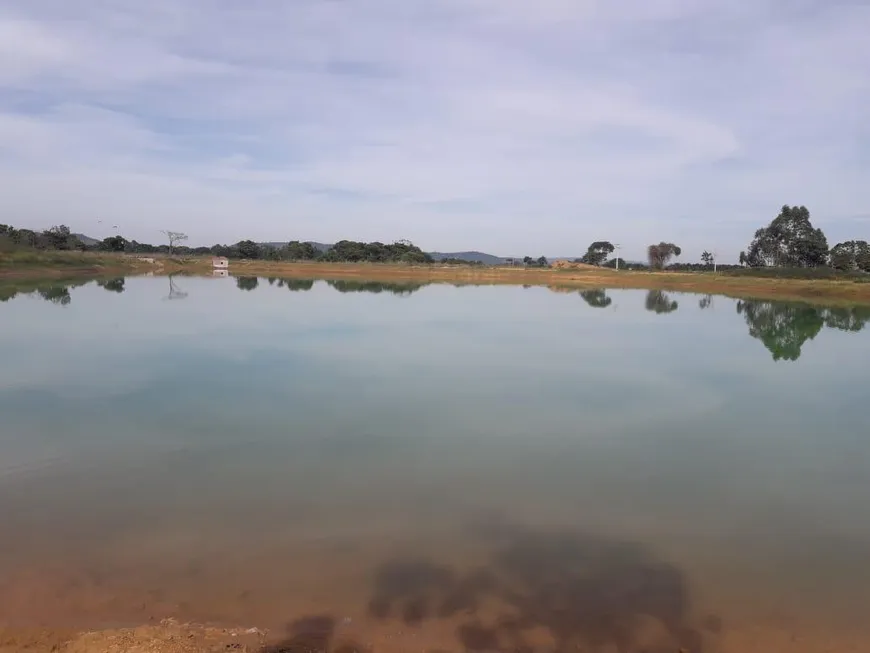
(444, 364)
(448, 401)
(491, 361)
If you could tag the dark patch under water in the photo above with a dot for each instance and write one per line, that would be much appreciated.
(398, 466)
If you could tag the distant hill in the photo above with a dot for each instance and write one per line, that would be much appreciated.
(486, 259)
(87, 240)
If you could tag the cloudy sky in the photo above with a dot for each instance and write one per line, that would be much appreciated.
(512, 126)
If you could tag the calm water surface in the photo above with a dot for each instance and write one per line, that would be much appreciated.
(436, 467)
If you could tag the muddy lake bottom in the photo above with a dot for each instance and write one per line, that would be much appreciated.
(396, 468)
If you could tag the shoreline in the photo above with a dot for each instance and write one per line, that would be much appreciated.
(167, 636)
(820, 291)
(172, 636)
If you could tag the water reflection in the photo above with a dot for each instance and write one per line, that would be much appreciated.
(112, 285)
(660, 302)
(54, 290)
(174, 291)
(785, 327)
(782, 327)
(247, 283)
(55, 294)
(341, 285)
(293, 285)
(402, 289)
(852, 318)
(596, 298)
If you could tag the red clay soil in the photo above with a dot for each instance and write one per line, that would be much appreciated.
(167, 637)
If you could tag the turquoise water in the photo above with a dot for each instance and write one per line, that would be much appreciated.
(476, 467)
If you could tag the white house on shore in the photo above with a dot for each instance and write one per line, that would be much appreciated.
(220, 262)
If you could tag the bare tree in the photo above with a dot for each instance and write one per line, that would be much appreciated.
(174, 237)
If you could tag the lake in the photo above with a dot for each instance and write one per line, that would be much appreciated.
(432, 467)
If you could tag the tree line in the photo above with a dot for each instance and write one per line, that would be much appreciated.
(790, 241)
(659, 257)
(60, 238)
(344, 251)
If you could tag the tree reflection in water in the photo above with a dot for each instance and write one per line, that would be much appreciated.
(784, 328)
(596, 298)
(660, 302)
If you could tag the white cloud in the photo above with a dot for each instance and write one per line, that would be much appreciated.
(26, 47)
(508, 126)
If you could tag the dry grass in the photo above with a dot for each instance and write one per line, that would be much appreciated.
(32, 264)
(571, 265)
(821, 291)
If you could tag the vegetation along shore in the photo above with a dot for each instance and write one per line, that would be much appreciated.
(787, 259)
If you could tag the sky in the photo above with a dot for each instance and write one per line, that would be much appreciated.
(507, 126)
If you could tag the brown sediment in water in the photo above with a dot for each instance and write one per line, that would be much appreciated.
(527, 589)
(538, 585)
(541, 584)
(536, 591)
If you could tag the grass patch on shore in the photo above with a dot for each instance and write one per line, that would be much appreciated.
(30, 260)
(33, 263)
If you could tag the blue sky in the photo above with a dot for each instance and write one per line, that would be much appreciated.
(510, 126)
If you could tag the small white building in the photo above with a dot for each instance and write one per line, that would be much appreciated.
(220, 262)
